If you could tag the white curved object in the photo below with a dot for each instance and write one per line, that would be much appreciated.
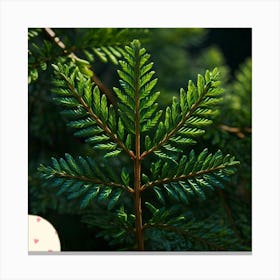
(42, 235)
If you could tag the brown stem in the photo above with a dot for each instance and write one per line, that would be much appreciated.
(236, 130)
(137, 161)
(138, 209)
(94, 181)
(174, 130)
(72, 55)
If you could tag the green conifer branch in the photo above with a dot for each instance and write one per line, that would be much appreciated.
(137, 160)
(191, 175)
(92, 180)
(171, 133)
(84, 65)
(83, 177)
(96, 118)
(114, 131)
(182, 177)
(186, 100)
(185, 233)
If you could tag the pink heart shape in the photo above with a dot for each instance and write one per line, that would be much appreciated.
(36, 240)
(50, 250)
(38, 219)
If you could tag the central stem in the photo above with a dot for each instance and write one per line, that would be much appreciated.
(138, 209)
(137, 160)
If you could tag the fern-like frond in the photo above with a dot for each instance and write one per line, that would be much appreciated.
(191, 176)
(170, 216)
(82, 177)
(89, 112)
(187, 117)
(211, 233)
(239, 100)
(137, 100)
(33, 32)
(106, 44)
(39, 55)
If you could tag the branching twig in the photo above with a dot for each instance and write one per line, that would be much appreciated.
(94, 181)
(72, 55)
(178, 126)
(236, 130)
(179, 178)
(100, 122)
(137, 160)
(172, 132)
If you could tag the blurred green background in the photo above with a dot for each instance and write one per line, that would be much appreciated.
(178, 55)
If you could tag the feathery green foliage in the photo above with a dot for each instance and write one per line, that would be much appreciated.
(83, 177)
(88, 111)
(105, 44)
(191, 175)
(139, 130)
